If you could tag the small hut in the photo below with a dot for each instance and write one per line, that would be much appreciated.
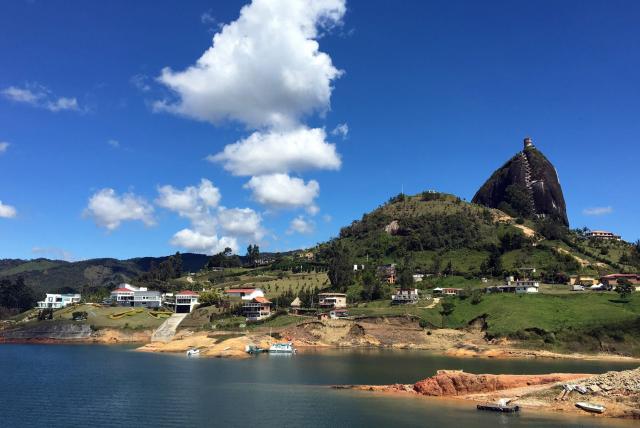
(295, 305)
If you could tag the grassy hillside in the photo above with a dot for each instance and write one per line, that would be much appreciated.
(434, 230)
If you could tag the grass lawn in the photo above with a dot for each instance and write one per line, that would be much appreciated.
(507, 314)
(99, 317)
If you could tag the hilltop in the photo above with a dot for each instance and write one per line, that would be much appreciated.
(441, 233)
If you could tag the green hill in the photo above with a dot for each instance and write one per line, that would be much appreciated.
(439, 232)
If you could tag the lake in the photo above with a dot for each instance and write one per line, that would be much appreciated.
(91, 385)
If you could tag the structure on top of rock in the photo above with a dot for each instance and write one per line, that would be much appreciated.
(526, 186)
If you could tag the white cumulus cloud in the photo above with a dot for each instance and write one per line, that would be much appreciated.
(7, 211)
(264, 69)
(109, 210)
(3, 146)
(200, 204)
(270, 152)
(301, 225)
(597, 211)
(197, 241)
(241, 221)
(283, 191)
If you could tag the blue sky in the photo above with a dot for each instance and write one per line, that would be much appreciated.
(435, 95)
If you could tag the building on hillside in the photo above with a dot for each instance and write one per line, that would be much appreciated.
(611, 281)
(309, 255)
(244, 293)
(296, 305)
(139, 298)
(447, 291)
(584, 280)
(388, 273)
(338, 314)
(58, 301)
(518, 287)
(603, 235)
(418, 277)
(183, 302)
(257, 309)
(401, 297)
(358, 267)
(332, 300)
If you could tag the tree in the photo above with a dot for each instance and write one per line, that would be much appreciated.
(253, 253)
(340, 265)
(371, 289)
(212, 297)
(405, 277)
(446, 309)
(16, 295)
(624, 288)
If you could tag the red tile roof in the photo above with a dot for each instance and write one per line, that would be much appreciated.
(122, 290)
(240, 290)
(262, 300)
(187, 293)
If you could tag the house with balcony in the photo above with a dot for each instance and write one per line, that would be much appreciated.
(182, 302)
(138, 297)
(603, 235)
(332, 300)
(401, 297)
(518, 287)
(388, 273)
(257, 309)
(58, 301)
(446, 291)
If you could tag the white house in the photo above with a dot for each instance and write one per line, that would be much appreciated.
(405, 296)
(140, 297)
(519, 287)
(418, 277)
(244, 293)
(184, 301)
(57, 301)
(332, 300)
(447, 291)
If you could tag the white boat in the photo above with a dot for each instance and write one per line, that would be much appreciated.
(282, 348)
(590, 407)
(193, 352)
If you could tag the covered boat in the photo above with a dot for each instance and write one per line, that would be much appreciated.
(590, 407)
(282, 348)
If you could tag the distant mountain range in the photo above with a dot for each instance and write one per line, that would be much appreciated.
(44, 275)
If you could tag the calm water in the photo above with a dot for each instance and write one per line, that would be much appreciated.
(60, 386)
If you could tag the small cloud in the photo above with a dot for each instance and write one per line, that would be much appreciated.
(114, 143)
(7, 211)
(3, 146)
(327, 218)
(109, 210)
(56, 253)
(341, 130)
(141, 82)
(208, 18)
(301, 225)
(40, 96)
(597, 211)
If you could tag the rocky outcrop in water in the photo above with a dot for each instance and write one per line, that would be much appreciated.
(526, 186)
(456, 382)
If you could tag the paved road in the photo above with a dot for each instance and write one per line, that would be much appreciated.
(167, 329)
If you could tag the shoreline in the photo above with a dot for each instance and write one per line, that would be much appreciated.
(188, 339)
(618, 391)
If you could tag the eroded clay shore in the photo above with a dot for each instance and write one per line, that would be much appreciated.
(619, 391)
